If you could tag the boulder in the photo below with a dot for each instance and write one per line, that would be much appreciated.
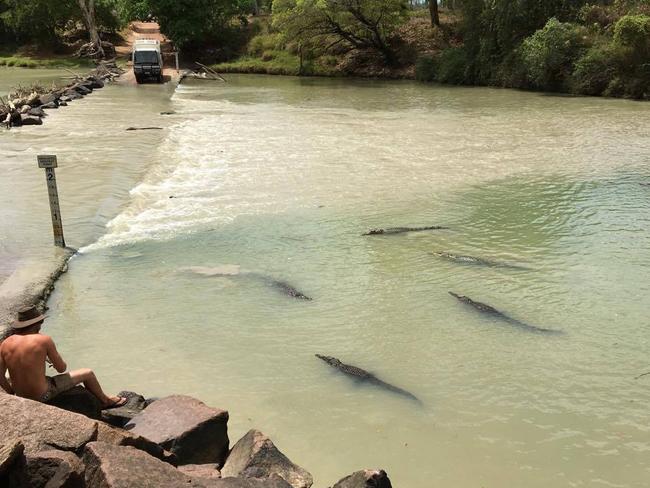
(255, 456)
(50, 105)
(62, 103)
(24, 109)
(42, 427)
(109, 466)
(37, 112)
(34, 99)
(194, 432)
(121, 415)
(30, 120)
(79, 400)
(82, 89)
(46, 98)
(201, 472)
(51, 469)
(14, 119)
(10, 451)
(119, 437)
(94, 82)
(367, 478)
(273, 482)
(70, 95)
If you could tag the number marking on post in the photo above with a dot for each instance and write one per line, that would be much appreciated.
(48, 162)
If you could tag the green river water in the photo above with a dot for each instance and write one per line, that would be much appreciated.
(279, 177)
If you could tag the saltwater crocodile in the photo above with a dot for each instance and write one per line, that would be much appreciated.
(234, 270)
(488, 310)
(477, 261)
(401, 230)
(363, 375)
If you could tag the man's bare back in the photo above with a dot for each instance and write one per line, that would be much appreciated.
(24, 356)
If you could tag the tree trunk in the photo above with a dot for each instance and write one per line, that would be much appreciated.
(433, 10)
(88, 10)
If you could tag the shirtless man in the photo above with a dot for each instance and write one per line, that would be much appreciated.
(24, 355)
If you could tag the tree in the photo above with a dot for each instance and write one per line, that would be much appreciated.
(433, 11)
(88, 12)
(356, 24)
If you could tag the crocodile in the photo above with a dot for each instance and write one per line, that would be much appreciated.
(234, 270)
(365, 376)
(477, 261)
(489, 310)
(401, 230)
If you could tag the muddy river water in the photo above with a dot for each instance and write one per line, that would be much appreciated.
(186, 231)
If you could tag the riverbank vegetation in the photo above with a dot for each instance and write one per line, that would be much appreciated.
(590, 47)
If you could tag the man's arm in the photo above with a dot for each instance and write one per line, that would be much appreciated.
(54, 356)
(3, 379)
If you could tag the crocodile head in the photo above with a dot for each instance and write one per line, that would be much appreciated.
(332, 361)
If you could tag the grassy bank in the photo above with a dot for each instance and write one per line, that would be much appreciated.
(14, 59)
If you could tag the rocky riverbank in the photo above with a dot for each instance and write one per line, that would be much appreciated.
(176, 441)
(28, 106)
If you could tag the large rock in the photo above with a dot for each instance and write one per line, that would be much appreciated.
(121, 415)
(194, 432)
(37, 112)
(48, 98)
(82, 89)
(15, 119)
(204, 472)
(42, 427)
(109, 466)
(255, 456)
(10, 451)
(51, 469)
(274, 482)
(367, 478)
(31, 120)
(119, 437)
(94, 82)
(79, 400)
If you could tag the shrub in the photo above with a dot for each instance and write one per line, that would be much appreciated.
(264, 42)
(425, 68)
(633, 31)
(452, 66)
(596, 69)
(549, 54)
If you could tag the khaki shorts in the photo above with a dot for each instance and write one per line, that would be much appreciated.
(56, 385)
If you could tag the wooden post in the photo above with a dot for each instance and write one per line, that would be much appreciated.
(176, 56)
(49, 163)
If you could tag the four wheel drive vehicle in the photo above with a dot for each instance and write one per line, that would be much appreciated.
(147, 60)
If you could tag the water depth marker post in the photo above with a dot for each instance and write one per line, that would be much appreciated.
(49, 163)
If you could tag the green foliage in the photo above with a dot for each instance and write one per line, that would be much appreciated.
(355, 24)
(452, 66)
(549, 54)
(596, 69)
(277, 63)
(265, 42)
(633, 31)
(425, 68)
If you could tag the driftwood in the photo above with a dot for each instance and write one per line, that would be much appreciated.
(204, 73)
(144, 128)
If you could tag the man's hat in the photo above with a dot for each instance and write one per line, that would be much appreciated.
(27, 316)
